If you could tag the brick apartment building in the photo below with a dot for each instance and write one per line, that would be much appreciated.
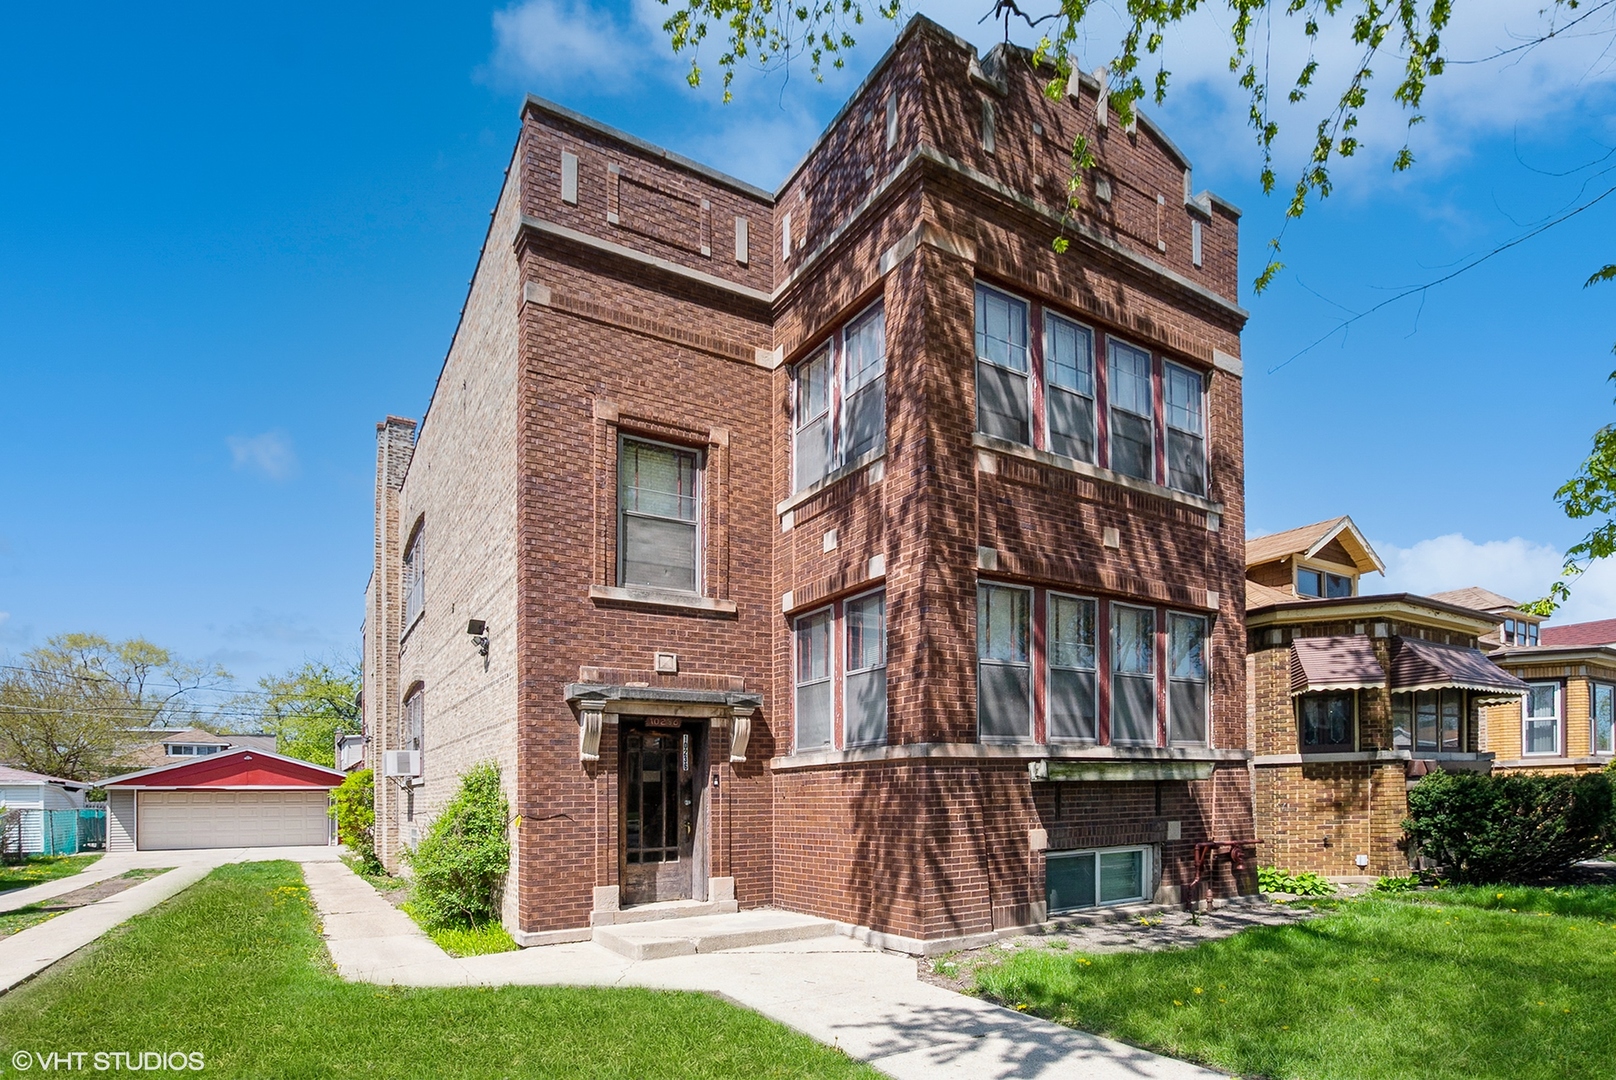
(1354, 697)
(844, 548)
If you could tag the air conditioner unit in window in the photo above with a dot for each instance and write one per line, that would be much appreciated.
(401, 763)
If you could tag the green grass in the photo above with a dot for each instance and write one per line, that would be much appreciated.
(1379, 988)
(1596, 902)
(32, 915)
(234, 968)
(487, 938)
(41, 868)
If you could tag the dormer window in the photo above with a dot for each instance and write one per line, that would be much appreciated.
(1322, 584)
(191, 749)
(1519, 632)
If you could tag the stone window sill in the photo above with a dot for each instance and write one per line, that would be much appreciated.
(1093, 472)
(1006, 752)
(664, 600)
(876, 458)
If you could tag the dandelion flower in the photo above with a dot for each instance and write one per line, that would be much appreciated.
(1198, 990)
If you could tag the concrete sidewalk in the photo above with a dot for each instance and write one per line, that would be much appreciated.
(28, 952)
(868, 1003)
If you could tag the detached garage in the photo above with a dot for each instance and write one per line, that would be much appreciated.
(240, 798)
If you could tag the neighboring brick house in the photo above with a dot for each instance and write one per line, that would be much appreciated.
(1353, 698)
(1567, 721)
(843, 549)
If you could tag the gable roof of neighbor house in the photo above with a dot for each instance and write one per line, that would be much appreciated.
(244, 767)
(11, 775)
(1308, 540)
(1475, 596)
(1260, 595)
(1598, 632)
(153, 753)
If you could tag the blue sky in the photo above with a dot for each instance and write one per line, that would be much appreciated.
(232, 239)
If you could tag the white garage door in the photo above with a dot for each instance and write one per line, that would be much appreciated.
(205, 819)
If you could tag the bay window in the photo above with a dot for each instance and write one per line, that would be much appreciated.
(1003, 395)
(1327, 722)
(1133, 432)
(1133, 675)
(1186, 429)
(1073, 701)
(1540, 724)
(657, 522)
(1004, 663)
(1603, 719)
(1429, 720)
(865, 689)
(839, 400)
(814, 705)
(1069, 395)
(1186, 679)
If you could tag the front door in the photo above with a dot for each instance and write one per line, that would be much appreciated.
(659, 812)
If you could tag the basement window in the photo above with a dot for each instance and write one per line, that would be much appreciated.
(1074, 880)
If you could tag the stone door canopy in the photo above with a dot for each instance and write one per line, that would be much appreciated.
(593, 702)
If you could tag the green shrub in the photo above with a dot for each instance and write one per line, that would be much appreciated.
(1485, 829)
(1397, 884)
(460, 864)
(1307, 883)
(353, 805)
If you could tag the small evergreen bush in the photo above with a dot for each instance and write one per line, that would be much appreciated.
(353, 805)
(1491, 829)
(460, 864)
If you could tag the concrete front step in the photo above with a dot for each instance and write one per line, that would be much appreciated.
(710, 933)
(667, 909)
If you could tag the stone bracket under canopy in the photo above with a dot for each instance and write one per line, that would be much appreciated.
(593, 702)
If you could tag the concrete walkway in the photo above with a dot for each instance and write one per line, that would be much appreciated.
(28, 952)
(868, 1003)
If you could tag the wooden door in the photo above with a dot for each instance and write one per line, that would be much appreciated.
(659, 813)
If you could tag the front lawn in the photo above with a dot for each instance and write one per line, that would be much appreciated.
(1378, 988)
(40, 868)
(234, 968)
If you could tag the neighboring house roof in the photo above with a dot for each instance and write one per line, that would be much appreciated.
(1309, 540)
(12, 775)
(1476, 597)
(1599, 632)
(1259, 595)
(1427, 665)
(153, 752)
(245, 767)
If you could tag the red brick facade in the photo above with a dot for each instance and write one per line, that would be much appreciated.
(642, 313)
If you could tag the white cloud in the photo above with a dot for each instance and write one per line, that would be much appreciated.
(1518, 568)
(563, 41)
(270, 454)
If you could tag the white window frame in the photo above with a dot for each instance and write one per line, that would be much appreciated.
(1026, 374)
(840, 367)
(798, 422)
(1050, 667)
(1111, 408)
(698, 497)
(1155, 673)
(1032, 648)
(1146, 873)
(1593, 717)
(1050, 389)
(1168, 427)
(1527, 719)
(849, 670)
(1206, 683)
(797, 683)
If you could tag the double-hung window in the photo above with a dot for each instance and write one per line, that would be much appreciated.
(864, 401)
(1133, 675)
(1069, 387)
(1133, 431)
(1003, 386)
(1004, 663)
(865, 702)
(1073, 701)
(1603, 718)
(814, 705)
(414, 732)
(415, 577)
(1451, 720)
(1540, 726)
(657, 529)
(810, 452)
(1186, 429)
(1186, 679)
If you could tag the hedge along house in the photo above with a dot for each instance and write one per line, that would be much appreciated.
(1566, 723)
(1353, 698)
(843, 548)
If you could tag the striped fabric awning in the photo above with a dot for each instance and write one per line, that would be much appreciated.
(1346, 662)
(1425, 665)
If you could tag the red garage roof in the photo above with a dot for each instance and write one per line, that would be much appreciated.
(245, 767)
(1602, 632)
